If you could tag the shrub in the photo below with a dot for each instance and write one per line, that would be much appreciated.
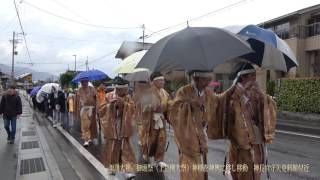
(299, 95)
(271, 87)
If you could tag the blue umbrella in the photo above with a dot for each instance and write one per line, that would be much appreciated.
(35, 90)
(270, 50)
(91, 75)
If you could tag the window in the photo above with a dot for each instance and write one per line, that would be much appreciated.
(316, 65)
(282, 30)
(282, 27)
(313, 27)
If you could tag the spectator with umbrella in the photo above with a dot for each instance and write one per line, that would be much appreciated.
(33, 94)
(46, 99)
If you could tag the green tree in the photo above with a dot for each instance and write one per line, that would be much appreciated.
(66, 78)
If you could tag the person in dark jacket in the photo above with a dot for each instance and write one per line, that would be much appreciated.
(11, 109)
(64, 107)
(34, 103)
(61, 102)
(51, 104)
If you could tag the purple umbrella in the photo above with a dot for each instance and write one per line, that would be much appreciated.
(35, 90)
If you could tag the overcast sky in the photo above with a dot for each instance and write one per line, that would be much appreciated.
(51, 39)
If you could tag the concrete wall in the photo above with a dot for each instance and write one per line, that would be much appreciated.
(312, 43)
(262, 78)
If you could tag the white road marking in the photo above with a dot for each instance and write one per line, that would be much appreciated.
(279, 131)
(298, 134)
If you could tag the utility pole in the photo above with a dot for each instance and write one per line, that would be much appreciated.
(87, 64)
(75, 63)
(143, 29)
(13, 53)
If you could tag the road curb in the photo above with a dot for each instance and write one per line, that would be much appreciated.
(86, 154)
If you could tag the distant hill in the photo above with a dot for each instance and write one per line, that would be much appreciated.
(21, 70)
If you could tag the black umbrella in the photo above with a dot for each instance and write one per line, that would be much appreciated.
(194, 48)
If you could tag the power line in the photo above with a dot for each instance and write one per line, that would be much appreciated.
(164, 29)
(199, 17)
(3, 28)
(20, 62)
(104, 56)
(71, 11)
(75, 21)
(218, 10)
(100, 58)
(94, 60)
(23, 34)
(66, 38)
(21, 70)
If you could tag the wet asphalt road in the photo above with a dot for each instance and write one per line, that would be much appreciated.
(286, 151)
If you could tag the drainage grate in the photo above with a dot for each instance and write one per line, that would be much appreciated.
(28, 133)
(30, 145)
(29, 166)
(25, 115)
(32, 128)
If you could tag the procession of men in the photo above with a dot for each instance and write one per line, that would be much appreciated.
(140, 104)
(195, 90)
(243, 114)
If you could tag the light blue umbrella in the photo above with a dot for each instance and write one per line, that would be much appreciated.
(90, 75)
(270, 51)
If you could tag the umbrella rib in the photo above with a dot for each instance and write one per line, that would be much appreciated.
(203, 52)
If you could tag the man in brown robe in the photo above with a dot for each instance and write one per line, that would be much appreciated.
(193, 106)
(101, 94)
(251, 124)
(138, 94)
(87, 103)
(116, 119)
(154, 114)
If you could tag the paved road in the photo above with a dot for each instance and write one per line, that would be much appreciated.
(286, 150)
(9, 152)
(61, 159)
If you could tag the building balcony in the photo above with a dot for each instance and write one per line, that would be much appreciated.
(312, 43)
(312, 29)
